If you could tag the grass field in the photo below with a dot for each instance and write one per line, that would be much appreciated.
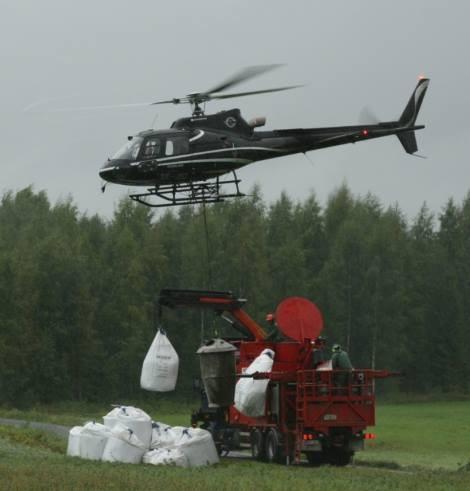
(419, 446)
(73, 413)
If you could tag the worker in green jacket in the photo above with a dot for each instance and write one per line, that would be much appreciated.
(340, 361)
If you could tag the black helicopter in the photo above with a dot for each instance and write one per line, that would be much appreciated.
(187, 163)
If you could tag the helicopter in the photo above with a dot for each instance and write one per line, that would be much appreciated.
(196, 159)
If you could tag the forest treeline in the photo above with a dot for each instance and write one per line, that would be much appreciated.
(77, 292)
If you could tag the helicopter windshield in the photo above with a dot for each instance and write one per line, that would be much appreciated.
(130, 150)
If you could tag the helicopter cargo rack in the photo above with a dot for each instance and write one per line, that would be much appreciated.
(188, 193)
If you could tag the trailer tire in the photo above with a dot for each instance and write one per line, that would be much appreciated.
(339, 456)
(273, 446)
(257, 444)
(315, 459)
(235, 441)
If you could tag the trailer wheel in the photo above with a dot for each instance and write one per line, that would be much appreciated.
(315, 459)
(273, 449)
(257, 444)
(339, 456)
(235, 442)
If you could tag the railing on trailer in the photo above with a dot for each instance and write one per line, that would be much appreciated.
(326, 399)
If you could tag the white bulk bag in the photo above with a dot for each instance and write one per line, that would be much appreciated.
(93, 439)
(110, 420)
(123, 446)
(134, 418)
(160, 367)
(73, 445)
(326, 365)
(166, 456)
(168, 437)
(198, 446)
(250, 394)
(159, 434)
(138, 421)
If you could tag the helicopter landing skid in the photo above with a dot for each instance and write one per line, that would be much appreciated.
(188, 193)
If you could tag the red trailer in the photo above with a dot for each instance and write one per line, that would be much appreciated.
(307, 411)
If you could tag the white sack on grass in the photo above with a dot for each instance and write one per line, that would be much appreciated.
(166, 456)
(198, 446)
(123, 446)
(250, 394)
(160, 367)
(134, 418)
(73, 444)
(167, 437)
(93, 438)
(160, 434)
(110, 420)
(164, 436)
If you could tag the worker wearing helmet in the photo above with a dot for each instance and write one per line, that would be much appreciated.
(274, 334)
(340, 361)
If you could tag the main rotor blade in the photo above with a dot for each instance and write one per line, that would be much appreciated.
(92, 108)
(241, 76)
(241, 94)
(42, 102)
(171, 101)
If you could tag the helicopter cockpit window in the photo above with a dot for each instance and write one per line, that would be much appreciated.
(176, 146)
(152, 148)
(130, 150)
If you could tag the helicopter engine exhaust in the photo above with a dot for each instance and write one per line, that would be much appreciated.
(257, 122)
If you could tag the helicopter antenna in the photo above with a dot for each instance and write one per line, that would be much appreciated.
(153, 120)
(308, 158)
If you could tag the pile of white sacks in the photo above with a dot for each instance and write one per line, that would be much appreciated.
(129, 435)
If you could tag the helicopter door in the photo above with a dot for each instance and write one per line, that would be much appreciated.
(176, 146)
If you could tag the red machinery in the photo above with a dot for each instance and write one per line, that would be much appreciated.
(306, 410)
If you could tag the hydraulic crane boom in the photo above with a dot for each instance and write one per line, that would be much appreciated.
(221, 302)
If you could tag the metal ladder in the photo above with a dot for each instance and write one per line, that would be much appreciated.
(300, 415)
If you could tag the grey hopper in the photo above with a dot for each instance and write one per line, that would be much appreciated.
(217, 361)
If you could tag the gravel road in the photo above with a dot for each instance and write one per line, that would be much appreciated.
(62, 431)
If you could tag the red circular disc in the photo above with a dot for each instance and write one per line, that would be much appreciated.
(299, 319)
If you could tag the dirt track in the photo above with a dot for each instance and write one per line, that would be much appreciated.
(62, 431)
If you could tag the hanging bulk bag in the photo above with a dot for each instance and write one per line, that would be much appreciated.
(250, 394)
(160, 367)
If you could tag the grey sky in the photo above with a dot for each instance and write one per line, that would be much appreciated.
(351, 54)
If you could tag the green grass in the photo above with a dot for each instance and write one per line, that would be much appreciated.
(431, 435)
(75, 413)
(33, 439)
(419, 446)
(26, 465)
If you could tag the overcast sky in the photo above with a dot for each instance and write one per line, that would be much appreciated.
(350, 53)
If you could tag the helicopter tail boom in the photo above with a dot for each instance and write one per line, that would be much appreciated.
(409, 116)
(408, 140)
